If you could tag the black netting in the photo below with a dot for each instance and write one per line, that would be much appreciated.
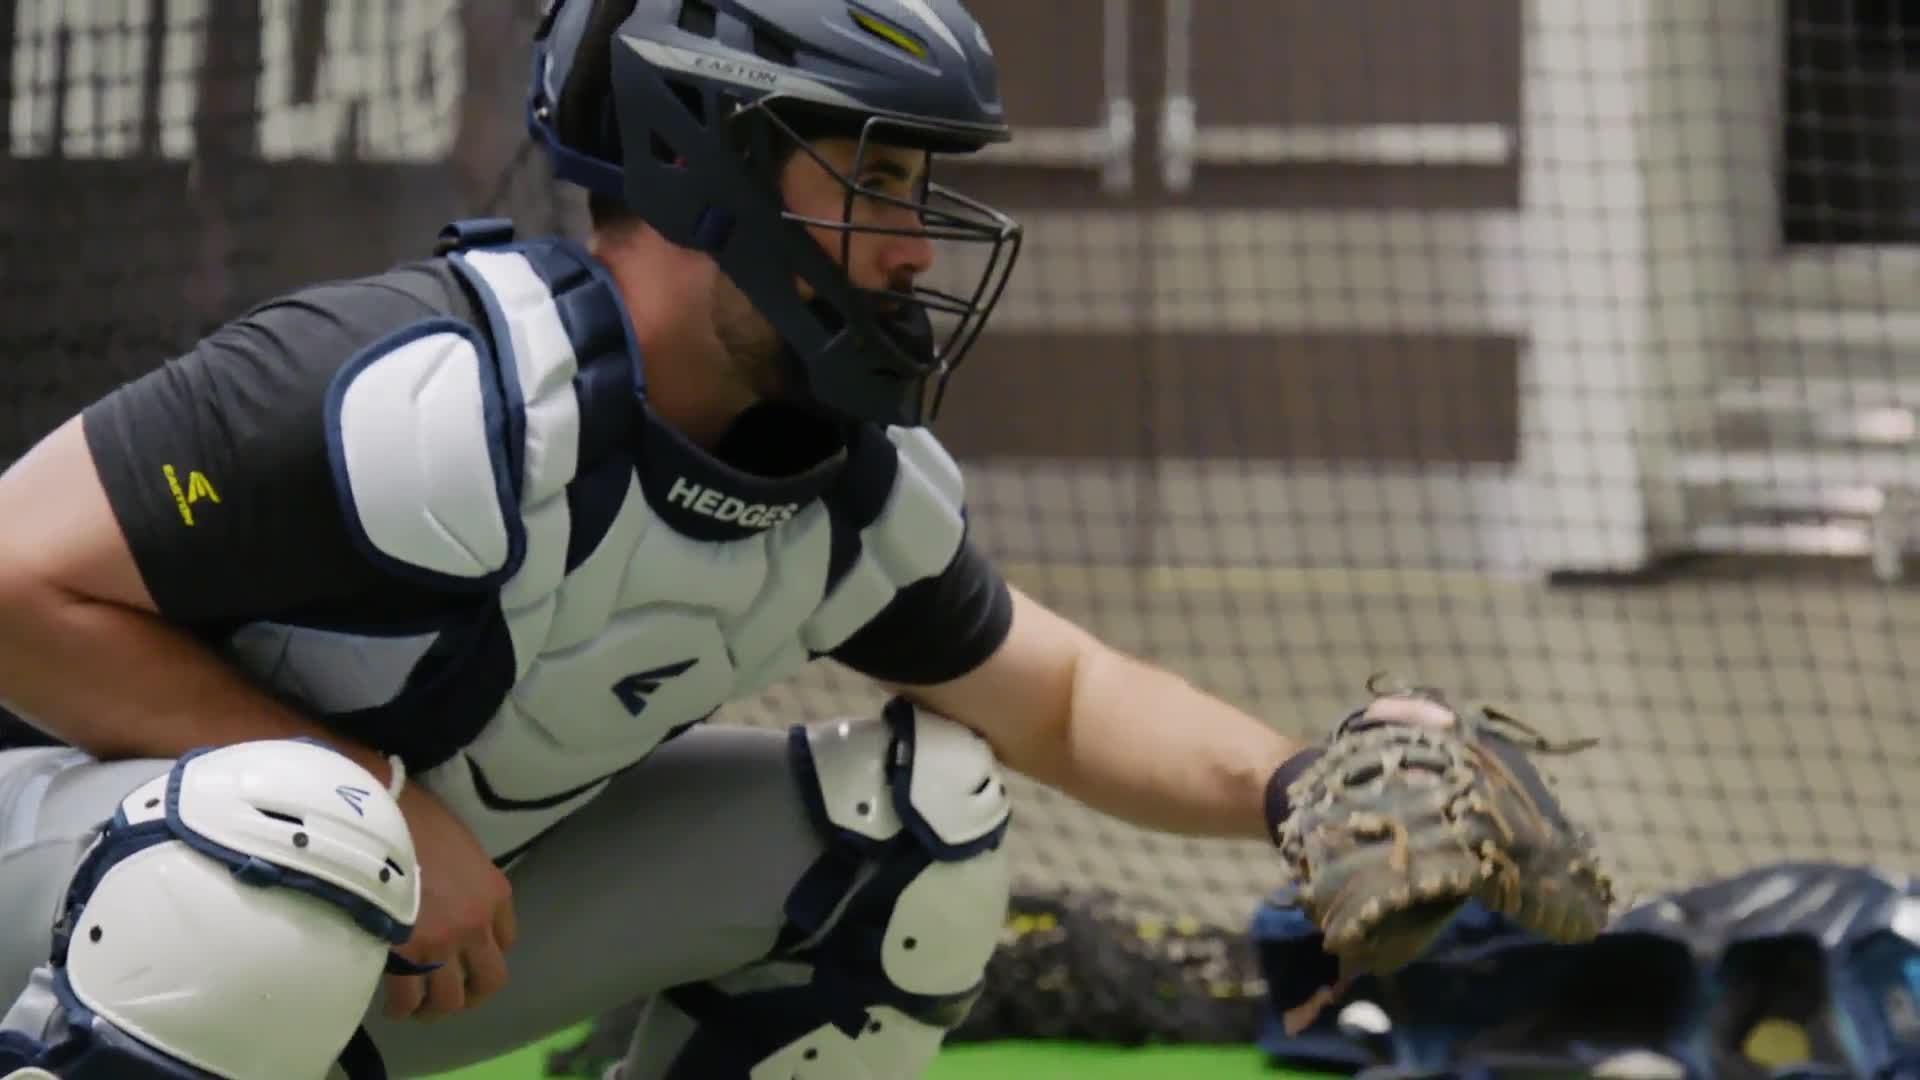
(1601, 410)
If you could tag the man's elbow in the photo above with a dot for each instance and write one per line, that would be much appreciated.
(29, 595)
(1040, 752)
(1035, 738)
(1022, 699)
(25, 591)
(61, 542)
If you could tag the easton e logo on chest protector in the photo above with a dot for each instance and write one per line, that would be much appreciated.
(633, 690)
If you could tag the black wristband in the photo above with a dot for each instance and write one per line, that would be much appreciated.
(1277, 806)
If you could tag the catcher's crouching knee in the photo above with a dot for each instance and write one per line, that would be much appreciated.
(923, 802)
(888, 935)
(265, 880)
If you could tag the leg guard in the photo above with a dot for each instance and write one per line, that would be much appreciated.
(232, 920)
(888, 934)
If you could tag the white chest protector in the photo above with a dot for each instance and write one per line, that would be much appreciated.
(610, 584)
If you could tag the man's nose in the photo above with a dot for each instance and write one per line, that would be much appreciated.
(908, 256)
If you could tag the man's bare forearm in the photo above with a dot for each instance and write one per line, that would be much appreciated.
(122, 683)
(1148, 747)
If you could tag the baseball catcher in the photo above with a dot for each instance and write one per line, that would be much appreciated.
(521, 513)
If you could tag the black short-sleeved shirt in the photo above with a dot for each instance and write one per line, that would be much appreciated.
(217, 468)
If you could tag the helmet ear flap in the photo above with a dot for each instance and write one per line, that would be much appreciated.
(583, 115)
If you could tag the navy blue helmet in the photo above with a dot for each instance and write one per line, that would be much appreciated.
(682, 111)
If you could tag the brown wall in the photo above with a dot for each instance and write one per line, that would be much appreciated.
(111, 264)
(1360, 395)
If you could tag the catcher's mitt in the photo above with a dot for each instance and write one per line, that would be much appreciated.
(1399, 822)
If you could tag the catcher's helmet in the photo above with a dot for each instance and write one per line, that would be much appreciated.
(683, 111)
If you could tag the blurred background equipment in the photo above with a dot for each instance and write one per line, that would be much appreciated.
(1789, 970)
(1563, 354)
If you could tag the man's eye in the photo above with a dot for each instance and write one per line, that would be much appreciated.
(887, 183)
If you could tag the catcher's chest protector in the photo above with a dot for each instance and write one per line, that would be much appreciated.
(609, 583)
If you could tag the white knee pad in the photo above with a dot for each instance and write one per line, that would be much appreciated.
(892, 1046)
(914, 789)
(238, 913)
(907, 769)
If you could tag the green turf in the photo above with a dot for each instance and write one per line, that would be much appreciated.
(1000, 1061)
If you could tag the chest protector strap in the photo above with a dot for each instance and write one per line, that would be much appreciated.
(564, 354)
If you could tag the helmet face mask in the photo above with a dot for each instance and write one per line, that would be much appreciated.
(697, 118)
(920, 331)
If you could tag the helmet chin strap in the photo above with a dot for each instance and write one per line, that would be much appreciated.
(911, 330)
(908, 328)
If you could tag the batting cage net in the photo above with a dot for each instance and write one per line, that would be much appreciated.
(1560, 354)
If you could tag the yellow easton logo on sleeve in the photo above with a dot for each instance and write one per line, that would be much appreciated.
(197, 487)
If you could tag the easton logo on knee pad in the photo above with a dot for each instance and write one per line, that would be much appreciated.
(241, 883)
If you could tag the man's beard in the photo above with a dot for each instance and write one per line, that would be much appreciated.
(764, 363)
(754, 348)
